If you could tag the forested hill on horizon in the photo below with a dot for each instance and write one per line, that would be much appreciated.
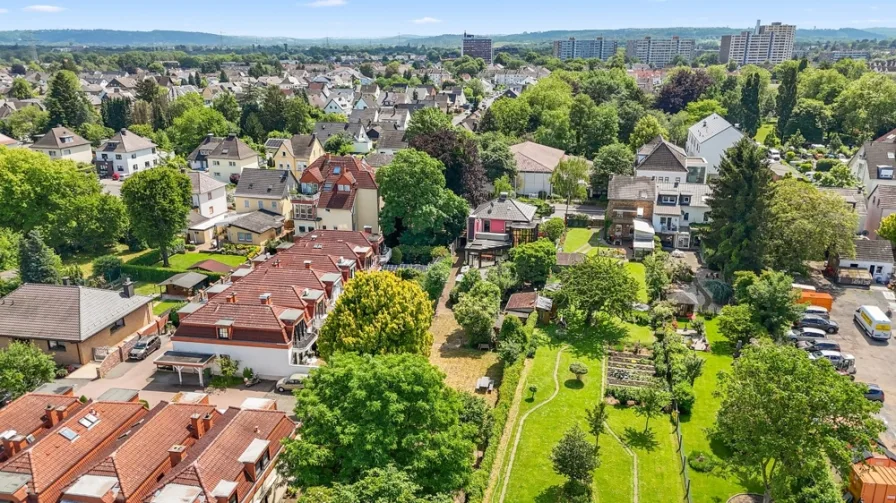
(111, 38)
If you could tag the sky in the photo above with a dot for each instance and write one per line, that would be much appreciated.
(379, 18)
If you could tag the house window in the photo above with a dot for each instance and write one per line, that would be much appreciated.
(262, 463)
(706, 217)
(217, 174)
(245, 203)
(67, 152)
(274, 204)
(667, 199)
(223, 333)
(686, 217)
(283, 154)
(677, 179)
(216, 163)
(685, 199)
(337, 170)
(880, 269)
(117, 325)
(244, 237)
(233, 499)
(120, 169)
(304, 212)
(232, 163)
(209, 196)
(344, 188)
(146, 164)
(135, 167)
(133, 156)
(56, 346)
(211, 210)
(105, 157)
(117, 157)
(52, 153)
(486, 226)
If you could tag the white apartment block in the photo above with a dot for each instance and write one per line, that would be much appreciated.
(659, 52)
(766, 44)
(597, 48)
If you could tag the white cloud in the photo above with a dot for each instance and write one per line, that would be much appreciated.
(427, 20)
(44, 8)
(326, 3)
(3, 11)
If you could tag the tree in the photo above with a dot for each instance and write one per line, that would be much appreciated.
(574, 457)
(867, 107)
(815, 411)
(615, 159)
(497, 160)
(693, 367)
(651, 402)
(147, 90)
(699, 110)
(739, 208)
(592, 126)
(477, 310)
(788, 76)
(682, 87)
(567, 178)
(188, 130)
(94, 133)
(534, 261)
(26, 122)
(598, 284)
(821, 85)
(9, 249)
(801, 213)
(158, 202)
(553, 229)
(850, 68)
(226, 104)
(597, 420)
(362, 411)
(578, 369)
(37, 262)
(749, 104)
(24, 367)
(459, 153)
(339, 144)
(21, 89)
(513, 330)
(507, 116)
(427, 121)
(185, 103)
(772, 299)
(887, 228)
(656, 276)
(418, 209)
(503, 275)
(107, 267)
(737, 325)
(646, 129)
(378, 313)
(65, 102)
(116, 113)
(811, 118)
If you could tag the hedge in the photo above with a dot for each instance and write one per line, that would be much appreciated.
(509, 382)
(157, 274)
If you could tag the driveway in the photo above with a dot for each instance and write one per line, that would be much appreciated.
(157, 386)
(111, 186)
(873, 358)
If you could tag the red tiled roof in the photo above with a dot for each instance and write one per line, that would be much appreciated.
(362, 174)
(212, 265)
(523, 301)
(312, 175)
(251, 321)
(25, 414)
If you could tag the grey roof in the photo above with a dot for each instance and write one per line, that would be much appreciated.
(883, 196)
(379, 160)
(392, 140)
(631, 188)
(125, 142)
(205, 148)
(302, 145)
(67, 313)
(681, 297)
(365, 116)
(118, 395)
(53, 139)
(709, 127)
(265, 183)
(853, 197)
(879, 153)
(185, 280)
(203, 183)
(232, 147)
(505, 208)
(258, 221)
(879, 251)
(324, 130)
(663, 156)
(699, 192)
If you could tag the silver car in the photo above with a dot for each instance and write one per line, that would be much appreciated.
(144, 347)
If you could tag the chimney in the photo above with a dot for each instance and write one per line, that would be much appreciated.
(265, 299)
(198, 425)
(176, 454)
(66, 281)
(128, 287)
(307, 264)
(231, 298)
(14, 445)
(368, 229)
(209, 137)
(207, 421)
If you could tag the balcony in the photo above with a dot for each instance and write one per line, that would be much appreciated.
(669, 228)
(298, 197)
(305, 341)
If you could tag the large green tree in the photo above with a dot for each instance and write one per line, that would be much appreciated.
(477, 310)
(575, 458)
(815, 411)
(427, 121)
(656, 275)
(25, 123)
(567, 178)
(459, 153)
(533, 261)
(364, 412)
(21, 89)
(24, 367)
(417, 208)
(811, 118)
(736, 324)
(188, 130)
(788, 76)
(496, 157)
(646, 129)
(66, 103)
(739, 207)
(37, 262)
(772, 299)
(867, 107)
(615, 159)
(158, 202)
(599, 284)
(749, 104)
(592, 126)
(378, 313)
(226, 104)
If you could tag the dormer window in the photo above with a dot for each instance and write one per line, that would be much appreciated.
(885, 172)
(224, 329)
(344, 188)
(66, 139)
(685, 199)
(337, 170)
(667, 199)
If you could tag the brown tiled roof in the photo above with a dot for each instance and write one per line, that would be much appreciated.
(232, 147)
(212, 265)
(26, 414)
(522, 301)
(532, 157)
(126, 141)
(665, 156)
(883, 196)
(631, 188)
(53, 139)
(332, 168)
(889, 137)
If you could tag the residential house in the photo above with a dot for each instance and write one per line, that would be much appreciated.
(33, 415)
(175, 92)
(494, 227)
(227, 160)
(875, 161)
(70, 322)
(630, 201)
(11, 106)
(663, 161)
(678, 205)
(361, 143)
(522, 304)
(296, 153)
(881, 203)
(535, 165)
(209, 201)
(62, 143)
(124, 154)
(377, 160)
(337, 192)
(855, 200)
(396, 117)
(390, 142)
(265, 189)
(338, 105)
(365, 102)
(8, 142)
(709, 139)
(255, 228)
(872, 255)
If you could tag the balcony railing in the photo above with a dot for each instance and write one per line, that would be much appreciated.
(385, 255)
(305, 198)
(305, 341)
(669, 228)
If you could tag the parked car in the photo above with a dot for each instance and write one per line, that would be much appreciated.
(874, 392)
(295, 381)
(819, 345)
(873, 322)
(5, 398)
(817, 311)
(829, 326)
(843, 362)
(806, 334)
(144, 347)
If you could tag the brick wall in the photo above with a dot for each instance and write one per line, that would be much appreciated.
(120, 353)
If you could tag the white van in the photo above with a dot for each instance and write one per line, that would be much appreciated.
(873, 322)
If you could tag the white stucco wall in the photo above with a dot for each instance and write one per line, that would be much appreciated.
(713, 148)
(82, 153)
(533, 183)
(268, 363)
(226, 167)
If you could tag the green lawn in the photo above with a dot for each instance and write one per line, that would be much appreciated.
(576, 238)
(183, 261)
(146, 288)
(160, 307)
(764, 130)
(638, 333)
(85, 260)
(637, 270)
(714, 486)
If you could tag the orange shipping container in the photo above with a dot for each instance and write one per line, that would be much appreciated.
(873, 484)
(819, 299)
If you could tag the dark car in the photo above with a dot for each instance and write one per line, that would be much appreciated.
(829, 326)
(144, 347)
(819, 345)
(874, 392)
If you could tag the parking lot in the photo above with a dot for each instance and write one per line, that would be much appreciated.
(874, 359)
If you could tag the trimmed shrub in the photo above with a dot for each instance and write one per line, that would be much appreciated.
(702, 462)
(397, 256)
(577, 220)
(683, 394)
(622, 393)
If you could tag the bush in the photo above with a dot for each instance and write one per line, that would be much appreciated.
(396, 256)
(409, 274)
(721, 292)
(789, 156)
(439, 252)
(107, 267)
(240, 250)
(702, 462)
(190, 247)
(512, 330)
(804, 167)
(622, 393)
(228, 366)
(416, 254)
(434, 279)
(577, 220)
(553, 228)
(579, 369)
(825, 165)
(157, 274)
(683, 394)
(150, 258)
(509, 352)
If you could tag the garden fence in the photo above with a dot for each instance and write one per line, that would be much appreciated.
(682, 456)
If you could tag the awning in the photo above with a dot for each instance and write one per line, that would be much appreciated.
(643, 245)
(180, 360)
(643, 226)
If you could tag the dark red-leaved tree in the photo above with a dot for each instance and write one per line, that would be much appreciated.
(683, 87)
(464, 173)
